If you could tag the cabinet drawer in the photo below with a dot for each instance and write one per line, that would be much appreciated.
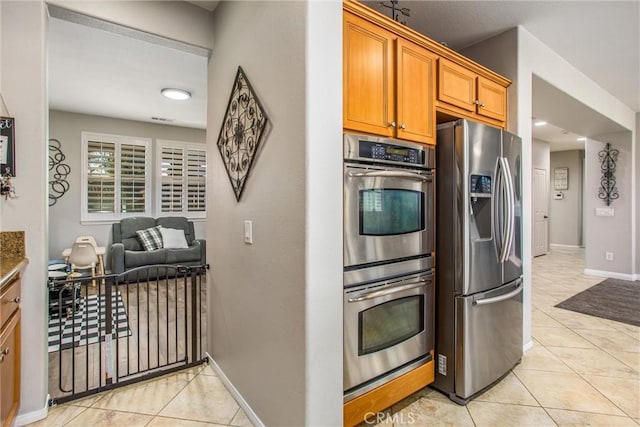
(9, 300)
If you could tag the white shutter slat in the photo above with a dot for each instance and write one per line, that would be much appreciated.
(101, 160)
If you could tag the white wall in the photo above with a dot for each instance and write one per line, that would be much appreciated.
(277, 304)
(565, 215)
(23, 32)
(67, 128)
(324, 214)
(257, 292)
(609, 234)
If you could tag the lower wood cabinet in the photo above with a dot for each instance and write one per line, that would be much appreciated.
(10, 352)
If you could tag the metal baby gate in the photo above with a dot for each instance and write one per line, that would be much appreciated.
(113, 330)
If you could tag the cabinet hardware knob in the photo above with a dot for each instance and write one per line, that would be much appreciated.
(403, 126)
(1, 358)
(481, 105)
(392, 124)
(476, 102)
(16, 300)
(5, 352)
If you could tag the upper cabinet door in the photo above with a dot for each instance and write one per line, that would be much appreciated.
(456, 85)
(416, 70)
(492, 99)
(368, 77)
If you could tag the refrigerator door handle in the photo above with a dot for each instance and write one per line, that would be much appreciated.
(510, 207)
(498, 222)
(505, 204)
(499, 298)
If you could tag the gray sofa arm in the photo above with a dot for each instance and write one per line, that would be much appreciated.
(117, 258)
(203, 250)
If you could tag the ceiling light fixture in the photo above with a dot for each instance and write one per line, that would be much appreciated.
(175, 94)
(540, 123)
(582, 138)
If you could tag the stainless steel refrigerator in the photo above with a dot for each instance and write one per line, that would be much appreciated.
(478, 257)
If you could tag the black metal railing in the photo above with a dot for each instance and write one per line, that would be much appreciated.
(112, 330)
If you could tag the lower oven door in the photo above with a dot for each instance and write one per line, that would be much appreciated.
(386, 326)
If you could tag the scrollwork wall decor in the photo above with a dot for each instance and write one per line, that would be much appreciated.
(242, 132)
(608, 158)
(58, 172)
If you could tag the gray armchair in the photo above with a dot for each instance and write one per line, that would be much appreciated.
(127, 252)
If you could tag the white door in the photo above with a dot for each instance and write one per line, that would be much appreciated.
(540, 212)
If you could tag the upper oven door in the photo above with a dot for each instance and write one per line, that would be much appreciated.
(388, 214)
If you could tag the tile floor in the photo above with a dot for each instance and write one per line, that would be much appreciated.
(581, 370)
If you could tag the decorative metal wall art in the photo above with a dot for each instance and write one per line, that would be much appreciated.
(242, 132)
(7, 146)
(608, 158)
(396, 11)
(58, 172)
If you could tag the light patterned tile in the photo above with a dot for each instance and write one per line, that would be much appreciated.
(560, 337)
(538, 358)
(508, 390)
(59, 416)
(241, 419)
(204, 399)
(624, 392)
(105, 418)
(593, 361)
(578, 419)
(432, 412)
(175, 422)
(148, 397)
(208, 370)
(540, 318)
(608, 340)
(630, 359)
(499, 414)
(566, 391)
(574, 320)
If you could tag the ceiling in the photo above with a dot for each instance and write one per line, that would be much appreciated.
(99, 72)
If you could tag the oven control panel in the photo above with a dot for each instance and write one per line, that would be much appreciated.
(389, 152)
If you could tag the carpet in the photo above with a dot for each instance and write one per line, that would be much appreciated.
(611, 299)
(90, 323)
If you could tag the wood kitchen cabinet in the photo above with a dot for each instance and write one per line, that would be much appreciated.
(10, 352)
(389, 83)
(461, 90)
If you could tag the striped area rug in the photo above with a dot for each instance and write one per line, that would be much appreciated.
(88, 323)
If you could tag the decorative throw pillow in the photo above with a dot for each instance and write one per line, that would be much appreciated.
(173, 238)
(150, 238)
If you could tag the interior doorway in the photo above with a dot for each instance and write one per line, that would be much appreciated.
(541, 212)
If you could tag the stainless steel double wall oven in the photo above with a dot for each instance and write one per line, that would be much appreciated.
(389, 239)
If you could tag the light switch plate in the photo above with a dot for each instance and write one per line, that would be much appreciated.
(248, 232)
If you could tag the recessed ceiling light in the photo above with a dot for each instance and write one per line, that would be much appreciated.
(176, 94)
(540, 123)
(582, 138)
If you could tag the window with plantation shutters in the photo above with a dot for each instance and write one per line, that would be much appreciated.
(116, 178)
(182, 176)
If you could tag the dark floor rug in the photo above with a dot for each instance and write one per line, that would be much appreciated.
(611, 299)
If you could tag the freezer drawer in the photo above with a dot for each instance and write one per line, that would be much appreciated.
(488, 337)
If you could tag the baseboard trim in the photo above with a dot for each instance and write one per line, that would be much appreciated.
(235, 393)
(527, 346)
(33, 416)
(560, 245)
(610, 274)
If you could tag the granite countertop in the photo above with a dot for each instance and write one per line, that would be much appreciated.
(12, 255)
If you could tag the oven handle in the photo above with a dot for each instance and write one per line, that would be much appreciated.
(388, 291)
(391, 174)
